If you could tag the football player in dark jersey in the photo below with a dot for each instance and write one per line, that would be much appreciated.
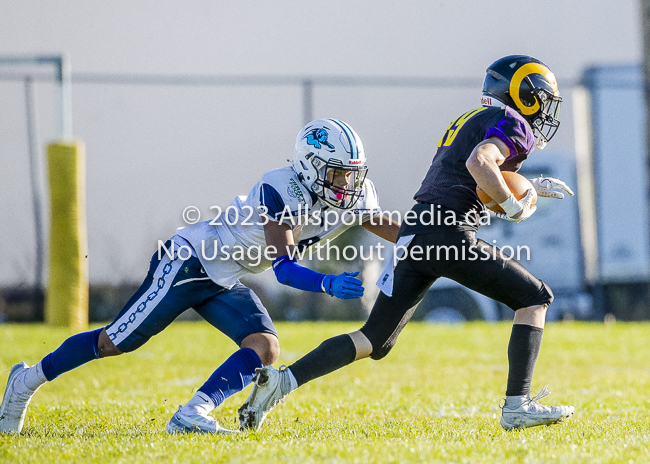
(520, 109)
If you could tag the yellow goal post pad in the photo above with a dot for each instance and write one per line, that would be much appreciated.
(67, 292)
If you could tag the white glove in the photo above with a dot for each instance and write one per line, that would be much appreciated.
(547, 186)
(522, 209)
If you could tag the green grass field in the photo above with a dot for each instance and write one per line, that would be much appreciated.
(433, 399)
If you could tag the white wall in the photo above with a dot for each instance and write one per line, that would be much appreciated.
(154, 150)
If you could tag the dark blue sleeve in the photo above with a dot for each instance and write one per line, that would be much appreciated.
(274, 203)
(289, 272)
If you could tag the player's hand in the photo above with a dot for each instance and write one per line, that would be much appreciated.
(548, 187)
(517, 210)
(345, 286)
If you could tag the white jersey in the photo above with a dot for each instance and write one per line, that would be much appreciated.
(233, 244)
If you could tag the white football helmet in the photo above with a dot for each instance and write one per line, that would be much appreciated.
(329, 160)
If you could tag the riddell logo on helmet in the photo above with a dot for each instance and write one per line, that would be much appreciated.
(356, 161)
(486, 100)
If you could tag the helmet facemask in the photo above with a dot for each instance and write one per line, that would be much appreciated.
(338, 185)
(546, 121)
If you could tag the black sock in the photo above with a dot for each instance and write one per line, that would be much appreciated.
(332, 354)
(525, 341)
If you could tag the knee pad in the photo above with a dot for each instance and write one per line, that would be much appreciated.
(539, 296)
(547, 294)
(380, 353)
(380, 348)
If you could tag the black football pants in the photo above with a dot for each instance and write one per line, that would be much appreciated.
(483, 269)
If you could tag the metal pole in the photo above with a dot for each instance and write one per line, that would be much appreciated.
(307, 101)
(35, 178)
(64, 85)
(64, 96)
(645, 7)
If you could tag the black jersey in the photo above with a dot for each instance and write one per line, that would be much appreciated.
(448, 182)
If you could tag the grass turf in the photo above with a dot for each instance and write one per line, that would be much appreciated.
(433, 399)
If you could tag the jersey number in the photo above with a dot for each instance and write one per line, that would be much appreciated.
(455, 126)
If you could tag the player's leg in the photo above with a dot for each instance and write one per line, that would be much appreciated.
(507, 281)
(388, 317)
(148, 311)
(240, 315)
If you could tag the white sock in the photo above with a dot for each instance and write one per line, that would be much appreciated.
(199, 404)
(292, 379)
(28, 382)
(514, 401)
(34, 377)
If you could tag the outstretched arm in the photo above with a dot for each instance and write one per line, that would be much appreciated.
(383, 227)
(281, 246)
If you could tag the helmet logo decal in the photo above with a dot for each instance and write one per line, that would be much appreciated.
(515, 84)
(485, 100)
(317, 138)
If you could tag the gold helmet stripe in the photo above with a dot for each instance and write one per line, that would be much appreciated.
(520, 74)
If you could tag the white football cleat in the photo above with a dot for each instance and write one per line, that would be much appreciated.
(270, 388)
(524, 411)
(14, 407)
(197, 423)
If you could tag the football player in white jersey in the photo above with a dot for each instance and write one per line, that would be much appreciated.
(323, 193)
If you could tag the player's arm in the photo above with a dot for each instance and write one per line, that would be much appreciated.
(483, 164)
(383, 227)
(281, 247)
(279, 239)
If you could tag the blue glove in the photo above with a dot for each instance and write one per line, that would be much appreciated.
(343, 286)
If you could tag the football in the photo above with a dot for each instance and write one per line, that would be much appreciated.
(517, 184)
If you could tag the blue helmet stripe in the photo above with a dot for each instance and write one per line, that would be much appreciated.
(350, 136)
